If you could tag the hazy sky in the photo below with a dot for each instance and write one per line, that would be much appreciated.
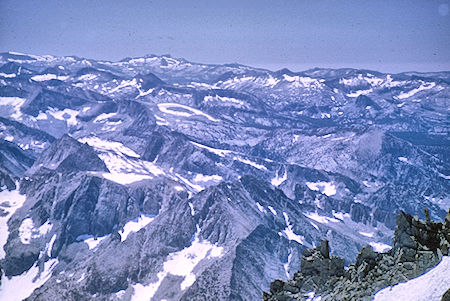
(385, 35)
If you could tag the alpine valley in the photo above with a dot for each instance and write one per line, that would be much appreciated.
(155, 178)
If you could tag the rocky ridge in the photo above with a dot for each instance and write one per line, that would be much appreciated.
(418, 246)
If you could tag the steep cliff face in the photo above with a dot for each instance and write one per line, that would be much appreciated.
(418, 246)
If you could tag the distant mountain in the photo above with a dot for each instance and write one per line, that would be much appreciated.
(158, 178)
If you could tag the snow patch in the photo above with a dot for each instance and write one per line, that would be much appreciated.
(340, 215)
(118, 164)
(45, 77)
(192, 208)
(67, 115)
(272, 210)
(300, 81)
(320, 218)
(125, 178)
(219, 152)
(189, 183)
(104, 116)
(251, 163)
(160, 120)
(203, 178)
(260, 208)
(168, 108)
(277, 181)
(41, 116)
(15, 102)
(379, 246)
(290, 232)
(144, 93)
(181, 263)
(123, 163)
(271, 81)
(93, 242)
(49, 246)
(403, 159)
(83, 276)
(13, 201)
(135, 225)
(90, 240)
(423, 86)
(20, 287)
(286, 266)
(311, 296)
(178, 188)
(11, 75)
(223, 99)
(108, 145)
(123, 84)
(27, 232)
(314, 225)
(366, 234)
(360, 92)
(120, 294)
(87, 77)
(324, 187)
(430, 286)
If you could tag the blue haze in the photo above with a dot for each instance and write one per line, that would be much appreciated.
(392, 36)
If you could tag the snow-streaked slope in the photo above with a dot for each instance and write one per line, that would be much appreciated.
(289, 232)
(11, 105)
(27, 230)
(181, 263)
(91, 241)
(124, 164)
(427, 287)
(14, 200)
(20, 287)
(106, 145)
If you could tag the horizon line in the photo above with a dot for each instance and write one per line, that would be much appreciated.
(262, 66)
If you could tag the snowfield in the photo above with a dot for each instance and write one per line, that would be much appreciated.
(45, 77)
(290, 232)
(20, 287)
(135, 225)
(181, 263)
(14, 200)
(427, 287)
(324, 187)
(182, 111)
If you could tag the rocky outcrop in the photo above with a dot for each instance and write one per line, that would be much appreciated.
(13, 160)
(418, 246)
(68, 155)
(6, 180)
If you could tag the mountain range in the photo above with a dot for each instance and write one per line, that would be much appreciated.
(159, 178)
